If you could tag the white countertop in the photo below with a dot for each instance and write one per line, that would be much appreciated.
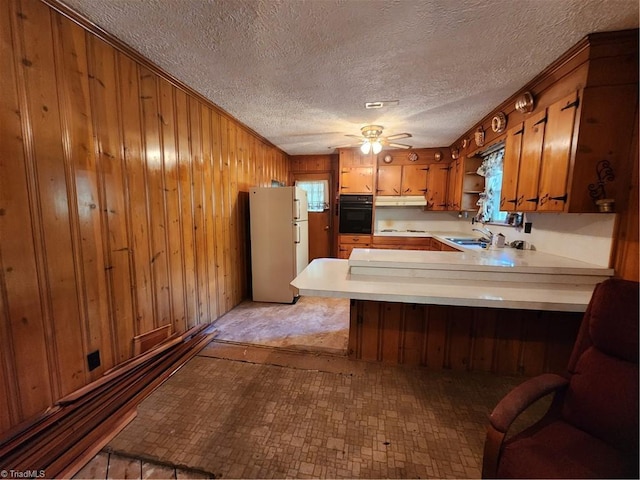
(504, 260)
(329, 277)
(480, 277)
(401, 233)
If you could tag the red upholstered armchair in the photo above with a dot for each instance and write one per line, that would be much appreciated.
(591, 427)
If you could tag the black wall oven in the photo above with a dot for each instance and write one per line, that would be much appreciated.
(356, 213)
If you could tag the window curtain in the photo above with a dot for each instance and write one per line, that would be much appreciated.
(489, 201)
(317, 194)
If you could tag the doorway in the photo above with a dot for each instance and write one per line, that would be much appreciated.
(318, 188)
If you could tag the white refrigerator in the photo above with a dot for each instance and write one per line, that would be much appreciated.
(279, 241)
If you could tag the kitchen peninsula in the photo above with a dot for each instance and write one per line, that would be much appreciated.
(498, 310)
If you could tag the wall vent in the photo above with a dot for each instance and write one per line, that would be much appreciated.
(93, 360)
(380, 104)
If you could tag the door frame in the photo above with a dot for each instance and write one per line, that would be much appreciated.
(323, 175)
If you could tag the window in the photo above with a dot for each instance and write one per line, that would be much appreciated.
(317, 194)
(489, 203)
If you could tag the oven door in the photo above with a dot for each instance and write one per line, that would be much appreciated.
(356, 214)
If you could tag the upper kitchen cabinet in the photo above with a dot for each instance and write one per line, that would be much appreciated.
(565, 157)
(572, 147)
(414, 179)
(556, 154)
(437, 180)
(356, 180)
(402, 179)
(454, 185)
(389, 180)
(511, 168)
(356, 172)
(527, 165)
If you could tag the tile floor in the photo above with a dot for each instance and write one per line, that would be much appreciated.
(274, 396)
(256, 419)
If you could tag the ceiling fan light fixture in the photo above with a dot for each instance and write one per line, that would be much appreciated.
(365, 148)
(371, 132)
(376, 147)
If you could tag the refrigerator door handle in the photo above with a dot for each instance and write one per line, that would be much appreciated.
(297, 227)
(296, 215)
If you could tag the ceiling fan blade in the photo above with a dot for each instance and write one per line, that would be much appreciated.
(359, 137)
(344, 146)
(399, 145)
(398, 136)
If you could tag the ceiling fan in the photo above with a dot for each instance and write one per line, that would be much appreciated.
(374, 141)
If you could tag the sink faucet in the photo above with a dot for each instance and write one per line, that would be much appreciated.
(488, 234)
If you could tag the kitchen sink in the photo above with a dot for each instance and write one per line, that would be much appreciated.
(468, 241)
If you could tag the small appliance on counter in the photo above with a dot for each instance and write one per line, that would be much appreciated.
(521, 245)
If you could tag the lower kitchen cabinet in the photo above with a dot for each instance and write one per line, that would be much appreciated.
(437, 245)
(402, 243)
(346, 243)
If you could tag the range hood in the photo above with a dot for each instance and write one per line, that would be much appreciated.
(400, 201)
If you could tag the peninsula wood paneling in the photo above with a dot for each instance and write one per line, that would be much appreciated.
(505, 341)
(123, 205)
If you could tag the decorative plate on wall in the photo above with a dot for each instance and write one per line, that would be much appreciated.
(437, 156)
(479, 137)
(499, 122)
(387, 158)
(524, 103)
(413, 156)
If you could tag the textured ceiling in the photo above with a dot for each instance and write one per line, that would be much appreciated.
(299, 72)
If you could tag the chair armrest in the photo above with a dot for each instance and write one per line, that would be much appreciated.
(521, 397)
(508, 409)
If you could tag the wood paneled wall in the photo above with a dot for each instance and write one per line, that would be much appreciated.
(504, 341)
(123, 205)
(626, 253)
(314, 163)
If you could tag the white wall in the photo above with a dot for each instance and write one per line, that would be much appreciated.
(587, 237)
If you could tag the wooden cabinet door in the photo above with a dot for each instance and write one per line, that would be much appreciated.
(389, 180)
(529, 173)
(454, 186)
(346, 244)
(414, 180)
(437, 179)
(556, 154)
(344, 250)
(356, 180)
(511, 168)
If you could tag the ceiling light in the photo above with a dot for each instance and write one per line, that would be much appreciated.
(366, 147)
(376, 147)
